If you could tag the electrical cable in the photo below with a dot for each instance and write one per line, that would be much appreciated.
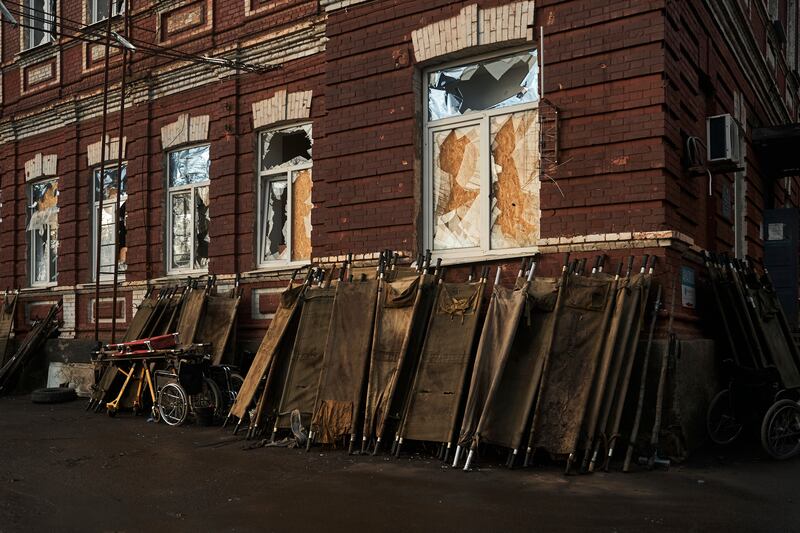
(151, 49)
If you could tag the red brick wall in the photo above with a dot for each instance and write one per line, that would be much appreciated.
(616, 71)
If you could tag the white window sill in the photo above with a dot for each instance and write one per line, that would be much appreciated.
(97, 23)
(37, 48)
(175, 274)
(39, 287)
(471, 257)
(276, 266)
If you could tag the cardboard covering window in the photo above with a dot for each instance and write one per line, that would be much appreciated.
(456, 187)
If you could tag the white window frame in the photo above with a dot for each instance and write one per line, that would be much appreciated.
(470, 118)
(271, 174)
(117, 8)
(32, 248)
(32, 18)
(96, 218)
(174, 191)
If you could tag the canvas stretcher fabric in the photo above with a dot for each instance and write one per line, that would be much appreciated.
(504, 419)
(583, 311)
(217, 324)
(434, 400)
(619, 351)
(344, 368)
(299, 389)
(191, 313)
(394, 350)
(499, 328)
(7, 312)
(264, 358)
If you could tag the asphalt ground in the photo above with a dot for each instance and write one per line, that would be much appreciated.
(63, 469)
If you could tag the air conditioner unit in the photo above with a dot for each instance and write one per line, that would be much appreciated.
(722, 139)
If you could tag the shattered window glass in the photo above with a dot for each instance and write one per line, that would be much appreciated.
(98, 9)
(43, 230)
(39, 23)
(107, 218)
(514, 170)
(456, 187)
(275, 198)
(181, 210)
(285, 194)
(286, 148)
(189, 166)
(490, 84)
(190, 216)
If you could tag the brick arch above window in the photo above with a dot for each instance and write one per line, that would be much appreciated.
(474, 27)
(41, 166)
(280, 107)
(185, 130)
(94, 152)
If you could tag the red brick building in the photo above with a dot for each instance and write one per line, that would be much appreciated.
(483, 130)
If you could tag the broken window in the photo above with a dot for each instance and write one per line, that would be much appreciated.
(97, 10)
(39, 22)
(514, 170)
(456, 187)
(43, 231)
(112, 225)
(490, 84)
(188, 215)
(482, 155)
(284, 193)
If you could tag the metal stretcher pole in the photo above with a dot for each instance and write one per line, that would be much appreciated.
(642, 384)
(368, 424)
(566, 270)
(632, 351)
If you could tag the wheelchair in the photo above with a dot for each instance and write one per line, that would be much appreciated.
(190, 383)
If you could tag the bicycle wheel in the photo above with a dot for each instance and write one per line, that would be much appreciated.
(209, 396)
(780, 430)
(721, 423)
(173, 405)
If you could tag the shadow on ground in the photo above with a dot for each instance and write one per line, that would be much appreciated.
(68, 470)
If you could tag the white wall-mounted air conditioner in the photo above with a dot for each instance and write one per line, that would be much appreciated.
(722, 139)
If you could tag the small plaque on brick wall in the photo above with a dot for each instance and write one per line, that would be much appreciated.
(183, 19)
(40, 73)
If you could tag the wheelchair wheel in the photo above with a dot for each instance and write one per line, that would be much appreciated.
(723, 428)
(236, 381)
(209, 396)
(780, 430)
(173, 405)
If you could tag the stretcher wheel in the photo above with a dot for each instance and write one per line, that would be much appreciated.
(721, 423)
(173, 405)
(780, 430)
